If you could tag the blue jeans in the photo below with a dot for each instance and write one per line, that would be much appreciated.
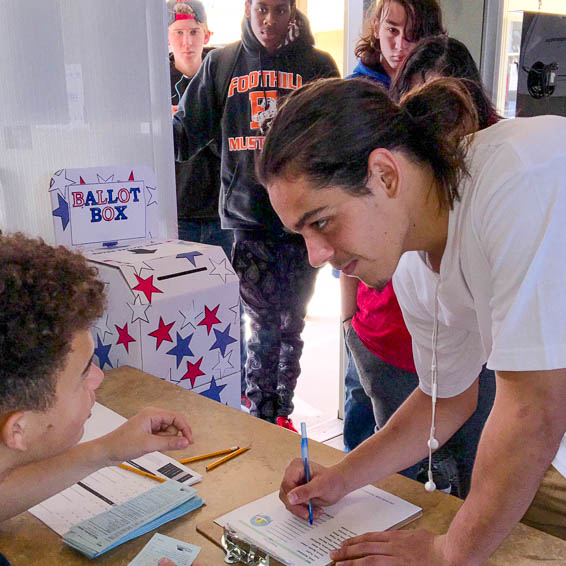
(359, 423)
(210, 232)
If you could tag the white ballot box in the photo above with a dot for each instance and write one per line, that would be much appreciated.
(173, 307)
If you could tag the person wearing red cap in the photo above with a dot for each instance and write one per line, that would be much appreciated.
(197, 180)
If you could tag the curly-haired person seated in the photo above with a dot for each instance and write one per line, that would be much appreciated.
(49, 298)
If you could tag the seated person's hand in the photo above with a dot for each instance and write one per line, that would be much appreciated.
(150, 430)
(174, 108)
(325, 488)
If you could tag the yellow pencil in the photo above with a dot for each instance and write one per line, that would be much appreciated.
(226, 458)
(209, 455)
(141, 473)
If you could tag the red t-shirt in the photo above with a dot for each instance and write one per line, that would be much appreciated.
(379, 324)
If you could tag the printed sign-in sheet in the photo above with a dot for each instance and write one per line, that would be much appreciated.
(295, 542)
(109, 486)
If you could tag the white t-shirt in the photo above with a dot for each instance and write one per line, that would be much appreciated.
(502, 295)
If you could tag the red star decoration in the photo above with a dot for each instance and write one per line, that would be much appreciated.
(123, 337)
(146, 286)
(81, 181)
(209, 319)
(162, 333)
(193, 371)
(131, 177)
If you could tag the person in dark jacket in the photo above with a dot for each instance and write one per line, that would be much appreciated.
(198, 179)
(275, 56)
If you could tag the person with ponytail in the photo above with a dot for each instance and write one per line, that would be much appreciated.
(379, 346)
(376, 340)
(470, 230)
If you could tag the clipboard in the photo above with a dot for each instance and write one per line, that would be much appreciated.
(240, 549)
(237, 550)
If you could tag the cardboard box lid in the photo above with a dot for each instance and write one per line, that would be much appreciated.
(172, 267)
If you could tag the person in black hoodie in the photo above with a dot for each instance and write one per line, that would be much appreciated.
(198, 179)
(275, 57)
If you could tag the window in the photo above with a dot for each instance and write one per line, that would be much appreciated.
(326, 18)
(511, 43)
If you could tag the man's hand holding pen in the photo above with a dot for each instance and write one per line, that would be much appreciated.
(325, 488)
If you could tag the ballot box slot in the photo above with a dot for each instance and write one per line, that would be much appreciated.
(181, 273)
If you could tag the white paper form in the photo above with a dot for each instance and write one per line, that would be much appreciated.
(108, 486)
(295, 542)
(165, 502)
(161, 546)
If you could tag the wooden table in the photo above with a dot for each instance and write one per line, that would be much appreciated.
(27, 542)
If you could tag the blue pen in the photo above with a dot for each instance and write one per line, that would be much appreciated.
(305, 458)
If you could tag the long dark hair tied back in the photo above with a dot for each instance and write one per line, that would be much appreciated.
(325, 132)
(442, 113)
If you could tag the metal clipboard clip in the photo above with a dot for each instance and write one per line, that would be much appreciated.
(239, 549)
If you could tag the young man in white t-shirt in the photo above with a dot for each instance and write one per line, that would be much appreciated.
(473, 230)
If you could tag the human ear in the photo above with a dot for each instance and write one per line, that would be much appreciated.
(375, 23)
(248, 9)
(206, 37)
(13, 431)
(383, 172)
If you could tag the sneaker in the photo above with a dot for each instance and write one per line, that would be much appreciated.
(286, 422)
(245, 402)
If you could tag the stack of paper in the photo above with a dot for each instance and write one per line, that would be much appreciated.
(133, 518)
(108, 487)
(113, 505)
(266, 524)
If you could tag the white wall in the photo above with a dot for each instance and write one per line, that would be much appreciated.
(477, 24)
(353, 22)
(463, 20)
(84, 83)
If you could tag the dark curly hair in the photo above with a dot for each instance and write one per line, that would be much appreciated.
(424, 18)
(47, 295)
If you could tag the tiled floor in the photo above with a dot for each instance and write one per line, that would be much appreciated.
(317, 392)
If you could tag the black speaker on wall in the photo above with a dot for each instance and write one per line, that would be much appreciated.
(542, 65)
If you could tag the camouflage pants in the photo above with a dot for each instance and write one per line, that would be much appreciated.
(276, 284)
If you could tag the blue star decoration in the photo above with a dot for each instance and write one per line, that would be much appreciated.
(223, 339)
(190, 256)
(62, 212)
(213, 392)
(181, 349)
(102, 351)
